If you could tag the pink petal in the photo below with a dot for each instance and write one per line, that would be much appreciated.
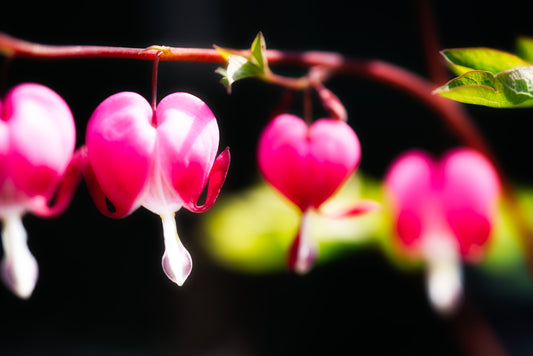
(41, 136)
(65, 189)
(335, 154)
(216, 180)
(307, 164)
(188, 138)
(282, 158)
(469, 198)
(4, 151)
(120, 142)
(408, 184)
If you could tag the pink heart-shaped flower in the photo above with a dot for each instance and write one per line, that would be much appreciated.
(456, 195)
(161, 160)
(37, 135)
(443, 210)
(307, 164)
(37, 140)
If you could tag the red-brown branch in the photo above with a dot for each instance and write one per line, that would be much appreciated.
(451, 112)
(388, 73)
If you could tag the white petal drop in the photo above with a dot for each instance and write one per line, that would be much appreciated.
(304, 249)
(444, 276)
(19, 268)
(177, 262)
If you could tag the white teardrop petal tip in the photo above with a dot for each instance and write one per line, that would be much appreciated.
(177, 268)
(20, 276)
(177, 262)
(444, 285)
(19, 268)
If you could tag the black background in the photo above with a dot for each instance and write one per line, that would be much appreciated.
(101, 289)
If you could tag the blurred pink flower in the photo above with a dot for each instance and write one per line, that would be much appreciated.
(443, 211)
(160, 159)
(37, 141)
(308, 164)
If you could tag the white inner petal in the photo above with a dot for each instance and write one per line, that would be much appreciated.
(307, 247)
(159, 196)
(177, 262)
(19, 267)
(444, 274)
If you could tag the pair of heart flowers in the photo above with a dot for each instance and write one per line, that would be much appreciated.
(133, 156)
(442, 210)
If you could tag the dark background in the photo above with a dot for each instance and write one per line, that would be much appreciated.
(101, 289)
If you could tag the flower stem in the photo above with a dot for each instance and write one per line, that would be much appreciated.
(4, 70)
(451, 112)
(154, 82)
(434, 61)
(155, 70)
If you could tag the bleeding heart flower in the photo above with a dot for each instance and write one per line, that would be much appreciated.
(307, 164)
(443, 211)
(160, 159)
(37, 140)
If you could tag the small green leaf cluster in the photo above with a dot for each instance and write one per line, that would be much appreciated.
(242, 66)
(491, 77)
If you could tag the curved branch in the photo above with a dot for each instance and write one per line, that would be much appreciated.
(420, 88)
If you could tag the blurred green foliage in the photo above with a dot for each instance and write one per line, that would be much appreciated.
(250, 231)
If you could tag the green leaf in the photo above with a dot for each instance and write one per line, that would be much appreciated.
(225, 53)
(258, 51)
(508, 89)
(224, 73)
(240, 66)
(524, 48)
(519, 81)
(490, 60)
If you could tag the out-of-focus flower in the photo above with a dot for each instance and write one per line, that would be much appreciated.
(443, 212)
(160, 159)
(37, 165)
(307, 164)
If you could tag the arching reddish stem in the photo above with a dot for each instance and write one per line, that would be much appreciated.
(451, 112)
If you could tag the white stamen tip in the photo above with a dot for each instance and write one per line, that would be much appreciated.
(177, 262)
(19, 268)
(303, 251)
(445, 288)
(444, 276)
